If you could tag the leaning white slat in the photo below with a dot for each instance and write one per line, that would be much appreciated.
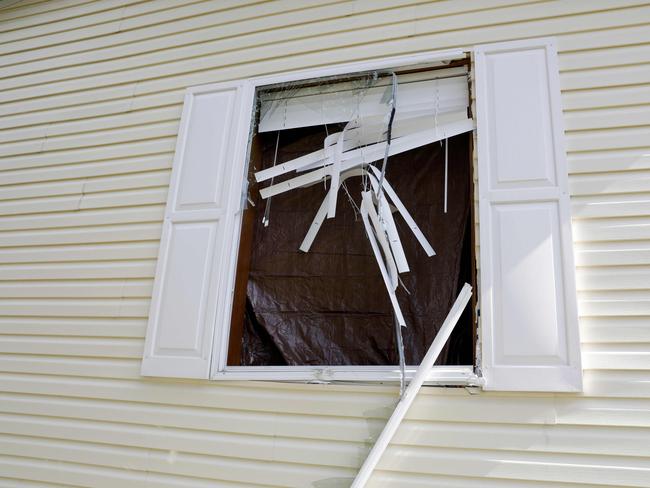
(319, 218)
(319, 157)
(282, 168)
(413, 388)
(366, 208)
(366, 198)
(388, 224)
(316, 223)
(419, 235)
(407, 121)
(396, 247)
(335, 169)
(373, 130)
(393, 237)
(373, 153)
(448, 93)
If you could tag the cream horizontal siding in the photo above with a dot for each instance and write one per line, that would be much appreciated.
(90, 100)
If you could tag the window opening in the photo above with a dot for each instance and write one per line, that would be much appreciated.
(309, 289)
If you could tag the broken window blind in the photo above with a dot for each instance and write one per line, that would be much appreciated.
(442, 93)
(329, 306)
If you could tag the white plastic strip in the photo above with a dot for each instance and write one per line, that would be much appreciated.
(316, 224)
(413, 388)
(387, 216)
(370, 131)
(393, 237)
(406, 215)
(373, 153)
(339, 102)
(371, 211)
(319, 218)
(335, 171)
(366, 209)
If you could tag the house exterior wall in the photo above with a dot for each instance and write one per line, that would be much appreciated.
(90, 101)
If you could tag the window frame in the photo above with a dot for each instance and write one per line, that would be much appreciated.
(463, 375)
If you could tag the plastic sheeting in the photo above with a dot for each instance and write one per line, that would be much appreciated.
(329, 306)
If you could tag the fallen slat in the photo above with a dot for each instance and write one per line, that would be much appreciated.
(413, 388)
(373, 153)
(371, 132)
(389, 275)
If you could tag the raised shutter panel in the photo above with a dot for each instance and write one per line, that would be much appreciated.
(195, 251)
(529, 319)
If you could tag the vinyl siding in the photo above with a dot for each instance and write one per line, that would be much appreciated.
(90, 101)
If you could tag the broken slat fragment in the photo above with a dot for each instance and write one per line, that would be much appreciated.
(389, 275)
(413, 388)
(393, 237)
(419, 235)
(400, 258)
(335, 170)
(380, 235)
(319, 218)
(373, 153)
(316, 224)
(367, 134)
(392, 108)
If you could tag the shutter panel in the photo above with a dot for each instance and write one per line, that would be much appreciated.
(195, 252)
(528, 305)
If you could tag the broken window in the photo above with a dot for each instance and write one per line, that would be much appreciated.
(358, 232)
(341, 282)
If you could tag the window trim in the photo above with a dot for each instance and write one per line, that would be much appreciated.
(439, 375)
(463, 375)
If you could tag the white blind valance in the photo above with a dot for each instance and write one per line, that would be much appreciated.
(434, 92)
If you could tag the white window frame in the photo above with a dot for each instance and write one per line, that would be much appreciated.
(463, 375)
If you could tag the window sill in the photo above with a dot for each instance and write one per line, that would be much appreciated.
(439, 375)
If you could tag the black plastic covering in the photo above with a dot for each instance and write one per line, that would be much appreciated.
(329, 306)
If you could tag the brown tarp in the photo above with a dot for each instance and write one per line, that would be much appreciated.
(329, 306)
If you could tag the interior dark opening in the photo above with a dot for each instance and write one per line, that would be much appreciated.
(329, 306)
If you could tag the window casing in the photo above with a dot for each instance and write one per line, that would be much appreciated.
(200, 348)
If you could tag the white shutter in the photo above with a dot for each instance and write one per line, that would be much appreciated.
(528, 298)
(195, 255)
